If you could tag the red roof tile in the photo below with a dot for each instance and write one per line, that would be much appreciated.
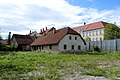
(91, 26)
(54, 38)
(22, 39)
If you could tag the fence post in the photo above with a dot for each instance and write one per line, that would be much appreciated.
(115, 45)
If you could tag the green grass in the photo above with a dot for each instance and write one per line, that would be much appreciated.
(46, 66)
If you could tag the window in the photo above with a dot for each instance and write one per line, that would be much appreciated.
(96, 39)
(100, 39)
(75, 38)
(42, 47)
(93, 33)
(79, 47)
(50, 47)
(96, 33)
(70, 37)
(83, 34)
(72, 47)
(100, 32)
(93, 39)
(89, 33)
(65, 46)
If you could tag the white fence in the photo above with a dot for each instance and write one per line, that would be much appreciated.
(105, 45)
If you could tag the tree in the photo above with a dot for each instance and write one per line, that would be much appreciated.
(112, 31)
(87, 39)
(0, 37)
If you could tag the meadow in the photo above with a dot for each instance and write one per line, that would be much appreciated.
(57, 66)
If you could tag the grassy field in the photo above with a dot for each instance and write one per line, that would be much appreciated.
(46, 66)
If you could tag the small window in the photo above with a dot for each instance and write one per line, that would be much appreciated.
(93, 39)
(50, 47)
(72, 47)
(65, 46)
(100, 39)
(75, 38)
(93, 33)
(89, 33)
(96, 39)
(79, 47)
(70, 37)
(96, 33)
(100, 32)
(83, 34)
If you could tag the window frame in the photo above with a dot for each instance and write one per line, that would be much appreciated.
(50, 46)
(64, 46)
(70, 37)
(72, 47)
(75, 38)
(79, 47)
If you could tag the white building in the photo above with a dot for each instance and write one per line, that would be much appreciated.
(94, 31)
(61, 40)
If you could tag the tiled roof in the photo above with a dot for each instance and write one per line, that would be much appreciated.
(91, 26)
(23, 39)
(54, 38)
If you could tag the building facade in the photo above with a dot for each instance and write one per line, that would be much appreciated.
(62, 40)
(21, 42)
(93, 31)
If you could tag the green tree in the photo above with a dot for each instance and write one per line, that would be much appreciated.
(112, 31)
(0, 37)
(87, 39)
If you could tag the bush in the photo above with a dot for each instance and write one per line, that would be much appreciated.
(96, 48)
(4, 47)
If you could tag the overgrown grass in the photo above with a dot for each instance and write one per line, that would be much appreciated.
(45, 66)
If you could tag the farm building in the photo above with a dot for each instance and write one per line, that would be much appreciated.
(61, 40)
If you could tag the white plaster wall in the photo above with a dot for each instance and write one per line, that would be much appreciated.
(95, 36)
(71, 42)
(55, 48)
(13, 42)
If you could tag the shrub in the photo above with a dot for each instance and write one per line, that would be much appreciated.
(96, 48)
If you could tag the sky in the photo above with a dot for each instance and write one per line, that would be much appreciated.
(21, 16)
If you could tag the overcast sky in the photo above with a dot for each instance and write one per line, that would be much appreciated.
(20, 16)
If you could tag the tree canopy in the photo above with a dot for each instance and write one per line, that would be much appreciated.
(112, 31)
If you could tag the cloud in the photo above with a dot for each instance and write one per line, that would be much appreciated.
(20, 16)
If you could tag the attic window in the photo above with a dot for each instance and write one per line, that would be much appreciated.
(70, 37)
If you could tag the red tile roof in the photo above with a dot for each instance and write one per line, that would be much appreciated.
(54, 38)
(91, 26)
(22, 39)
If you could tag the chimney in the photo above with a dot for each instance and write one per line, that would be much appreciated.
(9, 38)
(54, 30)
(84, 23)
(43, 31)
(40, 30)
(46, 30)
(30, 32)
